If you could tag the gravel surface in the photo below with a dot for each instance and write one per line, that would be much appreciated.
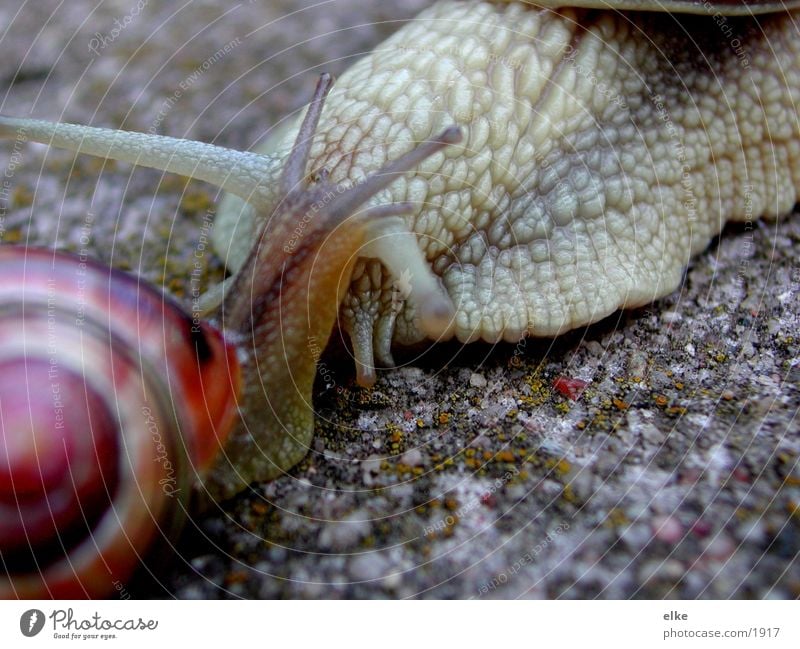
(653, 455)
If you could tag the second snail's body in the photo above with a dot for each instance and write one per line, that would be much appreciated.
(601, 150)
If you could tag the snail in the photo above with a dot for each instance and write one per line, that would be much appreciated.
(603, 145)
(116, 405)
(96, 460)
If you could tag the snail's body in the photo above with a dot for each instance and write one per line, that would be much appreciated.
(602, 150)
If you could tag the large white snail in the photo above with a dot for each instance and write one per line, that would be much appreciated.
(601, 149)
(116, 404)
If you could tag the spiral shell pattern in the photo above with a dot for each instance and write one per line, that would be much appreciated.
(113, 402)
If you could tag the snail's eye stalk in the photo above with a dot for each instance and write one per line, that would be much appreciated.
(295, 169)
(250, 176)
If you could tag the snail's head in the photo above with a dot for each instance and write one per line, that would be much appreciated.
(284, 302)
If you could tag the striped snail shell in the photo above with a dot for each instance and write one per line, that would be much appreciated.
(112, 401)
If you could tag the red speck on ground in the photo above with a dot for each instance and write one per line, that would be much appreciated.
(741, 474)
(701, 528)
(569, 388)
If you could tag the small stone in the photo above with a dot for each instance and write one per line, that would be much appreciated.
(595, 348)
(312, 590)
(670, 570)
(637, 365)
(412, 457)
(651, 434)
(393, 579)
(701, 528)
(368, 567)
(344, 534)
(720, 548)
(671, 317)
(659, 380)
(477, 380)
(667, 529)
(635, 536)
(755, 533)
(583, 484)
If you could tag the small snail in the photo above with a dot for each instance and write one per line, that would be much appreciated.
(98, 453)
(117, 406)
(602, 148)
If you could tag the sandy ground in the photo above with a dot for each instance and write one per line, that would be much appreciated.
(467, 472)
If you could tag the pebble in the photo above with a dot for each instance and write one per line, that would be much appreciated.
(659, 380)
(651, 434)
(481, 441)
(702, 528)
(637, 365)
(341, 535)
(477, 380)
(583, 484)
(635, 536)
(393, 579)
(721, 547)
(412, 457)
(667, 529)
(368, 567)
(670, 570)
(595, 348)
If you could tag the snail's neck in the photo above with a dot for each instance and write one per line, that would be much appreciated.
(281, 311)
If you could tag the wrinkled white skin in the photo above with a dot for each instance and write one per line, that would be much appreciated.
(601, 151)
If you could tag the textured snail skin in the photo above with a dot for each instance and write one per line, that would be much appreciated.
(601, 150)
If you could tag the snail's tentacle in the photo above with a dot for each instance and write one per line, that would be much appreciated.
(211, 300)
(236, 221)
(360, 331)
(254, 280)
(390, 241)
(250, 176)
(294, 171)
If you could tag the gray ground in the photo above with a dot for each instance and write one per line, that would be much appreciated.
(465, 473)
